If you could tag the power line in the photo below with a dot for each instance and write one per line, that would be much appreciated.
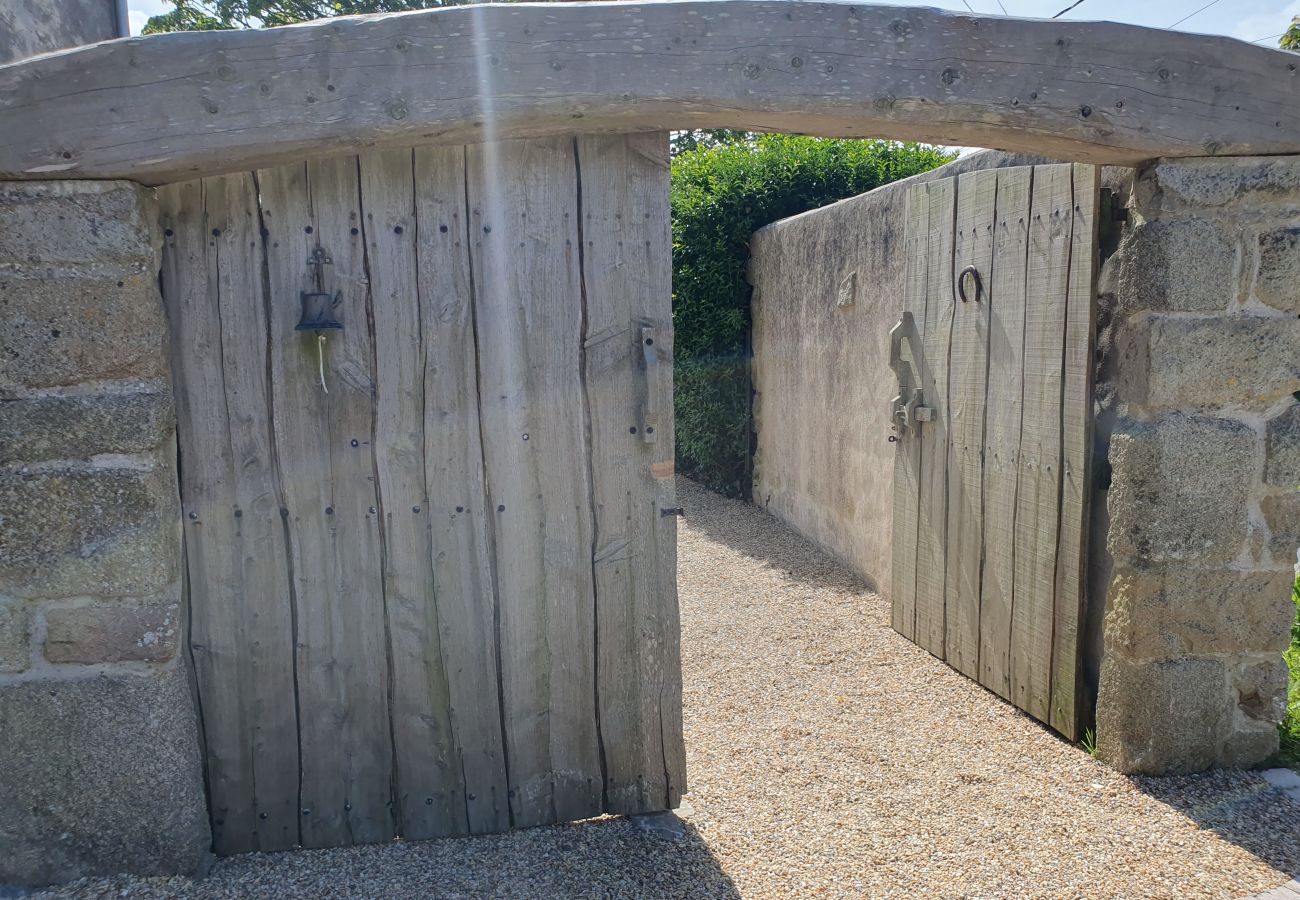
(1196, 12)
(1003, 8)
(1067, 9)
(1271, 37)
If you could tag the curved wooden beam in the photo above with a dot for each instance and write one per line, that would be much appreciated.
(176, 106)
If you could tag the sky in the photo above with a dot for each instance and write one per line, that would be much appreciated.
(1249, 20)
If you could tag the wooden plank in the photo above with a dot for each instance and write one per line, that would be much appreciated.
(1038, 501)
(967, 374)
(207, 474)
(1002, 429)
(428, 777)
(241, 618)
(459, 516)
(627, 367)
(528, 313)
(1103, 92)
(40, 26)
(323, 446)
(932, 518)
(1076, 422)
(907, 452)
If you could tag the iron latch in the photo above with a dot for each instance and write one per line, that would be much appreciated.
(908, 407)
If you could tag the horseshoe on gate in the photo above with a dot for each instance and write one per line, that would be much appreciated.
(969, 274)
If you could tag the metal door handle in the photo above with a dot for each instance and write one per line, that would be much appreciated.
(650, 353)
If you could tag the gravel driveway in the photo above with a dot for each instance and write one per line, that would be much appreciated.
(829, 757)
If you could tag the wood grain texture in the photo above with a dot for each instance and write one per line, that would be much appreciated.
(1002, 425)
(422, 590)
(907, 452)
(627, 365)
(1038, 500)
(28, 27)
(967, 373)
(459, 516)
(326, 468)
(1076, 450)
(1002, 515)
(528, 311)
(932, 518)
(1094, 92)
(241, 637)
(429, 786)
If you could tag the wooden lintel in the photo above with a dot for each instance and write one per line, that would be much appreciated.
(171, 107)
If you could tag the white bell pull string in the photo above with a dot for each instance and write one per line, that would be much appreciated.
(320, 359)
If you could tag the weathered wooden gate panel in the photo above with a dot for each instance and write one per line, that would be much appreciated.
(435, 594)
(992, 456)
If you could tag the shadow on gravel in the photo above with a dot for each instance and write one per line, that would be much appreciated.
(764, 538)
(1239, 806)
(608, 857)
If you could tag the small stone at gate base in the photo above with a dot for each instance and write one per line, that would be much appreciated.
(1286, 779)
(661, 824)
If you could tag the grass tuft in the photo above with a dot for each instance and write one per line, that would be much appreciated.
(1289, 754)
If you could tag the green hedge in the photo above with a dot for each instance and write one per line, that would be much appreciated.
(720, 195)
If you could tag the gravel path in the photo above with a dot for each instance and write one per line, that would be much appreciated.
(829, 757)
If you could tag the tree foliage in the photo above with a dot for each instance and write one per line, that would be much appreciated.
(212, 15)
(721, 192)
(1291, 40)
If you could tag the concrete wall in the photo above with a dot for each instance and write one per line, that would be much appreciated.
(29, 27)
(828, 286)
(99, 761)
(1200, 339)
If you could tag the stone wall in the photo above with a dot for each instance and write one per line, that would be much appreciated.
(99, 762)
(1200, 339)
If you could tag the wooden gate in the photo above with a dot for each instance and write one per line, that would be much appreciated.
(994, 356)
(431, 558)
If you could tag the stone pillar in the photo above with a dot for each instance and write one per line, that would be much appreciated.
(1201, 304)
(99, 759)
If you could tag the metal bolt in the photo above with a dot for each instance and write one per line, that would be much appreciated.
(501, 508)
(194, 515)
(415, 509)
(329, 510)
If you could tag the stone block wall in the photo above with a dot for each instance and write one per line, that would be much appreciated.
(1199, 321)
(99, 761)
